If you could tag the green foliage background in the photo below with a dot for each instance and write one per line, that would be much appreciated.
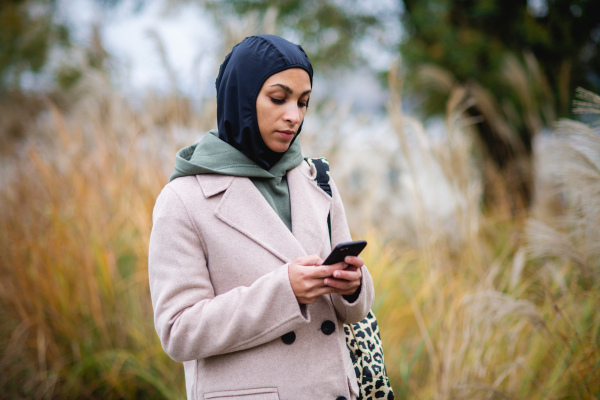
(28, 31)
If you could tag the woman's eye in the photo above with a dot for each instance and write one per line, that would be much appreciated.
(303, 104)
(277, 101)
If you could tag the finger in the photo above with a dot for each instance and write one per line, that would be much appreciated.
(347, 275)
(324, 271)
(355, 261)
(340, 284)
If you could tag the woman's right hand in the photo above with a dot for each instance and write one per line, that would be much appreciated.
(307, 277)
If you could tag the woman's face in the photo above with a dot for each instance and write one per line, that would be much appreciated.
(280, 107)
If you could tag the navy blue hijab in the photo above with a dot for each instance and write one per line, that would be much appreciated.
(240, 79)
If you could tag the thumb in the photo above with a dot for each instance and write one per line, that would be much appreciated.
(312, 259)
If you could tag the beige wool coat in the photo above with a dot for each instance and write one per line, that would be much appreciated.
(223, 303)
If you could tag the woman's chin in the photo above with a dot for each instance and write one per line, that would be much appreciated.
(279, 147)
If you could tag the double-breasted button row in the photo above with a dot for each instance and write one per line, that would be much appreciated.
(327, 327)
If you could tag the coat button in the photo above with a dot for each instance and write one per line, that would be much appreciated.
(289, 337)
(341, 398)
(328, 327)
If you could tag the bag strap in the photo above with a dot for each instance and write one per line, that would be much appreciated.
(322, 167)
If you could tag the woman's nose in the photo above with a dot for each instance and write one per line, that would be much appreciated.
(292, 114)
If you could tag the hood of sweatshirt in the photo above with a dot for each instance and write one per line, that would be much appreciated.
(213, 156)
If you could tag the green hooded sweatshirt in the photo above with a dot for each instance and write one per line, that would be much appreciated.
(214, 156)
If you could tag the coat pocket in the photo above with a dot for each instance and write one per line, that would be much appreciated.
(244, 394)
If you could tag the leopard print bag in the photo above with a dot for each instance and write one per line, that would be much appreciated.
(364, 343)
(362, 338)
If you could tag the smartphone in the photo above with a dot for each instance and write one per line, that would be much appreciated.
(345, 249)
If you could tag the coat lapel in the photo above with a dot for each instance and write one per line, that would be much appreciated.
(245, 209)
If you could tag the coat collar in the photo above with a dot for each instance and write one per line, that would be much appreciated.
(245, 209)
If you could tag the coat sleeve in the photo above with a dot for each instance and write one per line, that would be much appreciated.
(356, 310)
(190, 320)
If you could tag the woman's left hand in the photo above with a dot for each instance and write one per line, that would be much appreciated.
(347, 280)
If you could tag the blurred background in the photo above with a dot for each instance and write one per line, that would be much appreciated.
(463, 135)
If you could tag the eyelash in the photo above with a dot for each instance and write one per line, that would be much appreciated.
(281, 101)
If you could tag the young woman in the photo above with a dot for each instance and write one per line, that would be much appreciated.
(239, 235)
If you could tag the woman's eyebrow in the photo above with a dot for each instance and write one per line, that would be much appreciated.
(288, 90)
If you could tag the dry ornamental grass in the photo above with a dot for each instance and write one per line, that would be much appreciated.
(471, 305)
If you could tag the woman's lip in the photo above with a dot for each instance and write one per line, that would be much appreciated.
(287, 134)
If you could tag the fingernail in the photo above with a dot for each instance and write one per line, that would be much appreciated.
(336, 274)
